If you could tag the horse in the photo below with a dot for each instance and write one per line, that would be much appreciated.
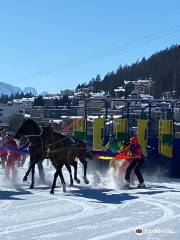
(30, 129)
(64, 150)
(38, 151)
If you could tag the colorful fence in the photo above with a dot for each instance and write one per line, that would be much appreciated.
(166, 138)
(98, 133)
(142, 133)
(79, 128)
(121, 129)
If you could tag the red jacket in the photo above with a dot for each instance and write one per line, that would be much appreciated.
(12, 153)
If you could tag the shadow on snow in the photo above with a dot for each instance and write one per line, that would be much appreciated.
(13, 195)
(103, 195)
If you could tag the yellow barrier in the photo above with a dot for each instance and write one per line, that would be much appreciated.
(79, 127)
(166, 138)
(98, 128)
(79, 124)
(121, 129)
(142, 131)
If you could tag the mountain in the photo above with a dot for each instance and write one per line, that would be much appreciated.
(162, 67)
(8, 89)
(30, 89)
(44, 93)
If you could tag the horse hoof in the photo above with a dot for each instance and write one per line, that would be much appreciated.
(31, 186)
(71, 184)
(77, 180)
(52, 191)
(24, 179)
(86, 181)
(64, 188)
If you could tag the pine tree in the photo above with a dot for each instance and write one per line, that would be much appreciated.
(39, 101)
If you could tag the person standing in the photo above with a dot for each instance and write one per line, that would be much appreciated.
(136, 164)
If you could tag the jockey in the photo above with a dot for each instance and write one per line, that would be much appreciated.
(137, 161)
(13, 157)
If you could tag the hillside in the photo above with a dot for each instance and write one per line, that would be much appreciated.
(163, 67)
(8, 89)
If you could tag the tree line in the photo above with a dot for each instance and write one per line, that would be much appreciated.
(163, 67)
(5, 98)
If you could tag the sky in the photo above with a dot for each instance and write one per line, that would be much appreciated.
(57, 44)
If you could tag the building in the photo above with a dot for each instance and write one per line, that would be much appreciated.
(146, 96)
(8, 110)
(41, 114)
(119, 92)
(143, 86)
(25, 103)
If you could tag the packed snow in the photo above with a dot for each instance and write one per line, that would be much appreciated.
(100, 210)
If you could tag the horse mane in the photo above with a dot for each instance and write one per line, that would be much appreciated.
(58, 134)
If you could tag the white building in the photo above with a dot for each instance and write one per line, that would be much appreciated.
(100, 94)
(143, 86)
(26, 103)
(146, 96)
(119, 92)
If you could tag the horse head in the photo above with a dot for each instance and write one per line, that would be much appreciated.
(29, 127)
(49, 136)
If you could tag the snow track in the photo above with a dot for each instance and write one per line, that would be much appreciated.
(89, 213)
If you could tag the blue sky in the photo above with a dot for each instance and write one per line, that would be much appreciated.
(37, 35)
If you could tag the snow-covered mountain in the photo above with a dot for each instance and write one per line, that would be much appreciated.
(30, 89)
(44, 93)
(8, 89)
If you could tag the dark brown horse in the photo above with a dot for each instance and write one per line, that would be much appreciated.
(39, 143)
(64, 150)
(37, 151)
(31, 129)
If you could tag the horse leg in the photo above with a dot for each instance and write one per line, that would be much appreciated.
(74, 164)
(41, 171)
(32, 180)
(84, 162)
(27, 173)
(54, 182)
(70, 173)
(62, 178)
